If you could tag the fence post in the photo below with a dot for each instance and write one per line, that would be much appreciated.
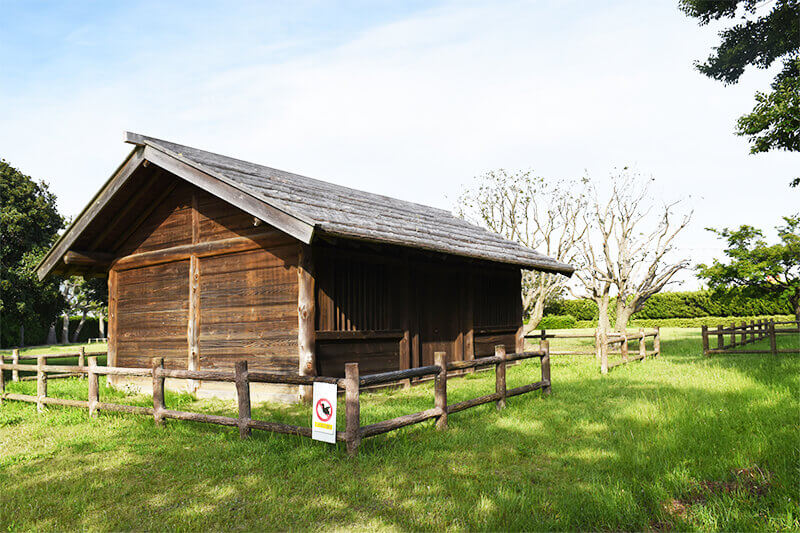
(752, 331)
(41, 382)
(704, 333)
(15, 361)
(500, 375)
(243, 397)
(94, 386)
(159, 403)
(546, 389)
(603, 337)
(624, 347)
(82, 359)
(642, 345)
(440, 389)
(733, 334)
(657, 342)
(773, 341)
(2, 379)
(352, 407)
(720, 338)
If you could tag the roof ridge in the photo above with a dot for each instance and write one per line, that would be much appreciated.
(136, 138)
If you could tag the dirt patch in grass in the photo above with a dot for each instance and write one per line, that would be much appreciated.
(753, 481)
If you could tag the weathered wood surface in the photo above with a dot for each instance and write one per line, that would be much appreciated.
(243, 398)
(401, 421)
(440, 389)
(396, 375)
(306, 313)
(516, 391)
(500, 376)
(352, 408)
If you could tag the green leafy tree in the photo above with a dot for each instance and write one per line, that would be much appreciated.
(29, 222)
(757, 268)
(767, 32)
(85, 296)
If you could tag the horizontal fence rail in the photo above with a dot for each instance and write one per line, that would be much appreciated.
(748, 333)
(352, 385)
(606, 344)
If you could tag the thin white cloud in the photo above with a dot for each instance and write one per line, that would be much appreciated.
(416, 107)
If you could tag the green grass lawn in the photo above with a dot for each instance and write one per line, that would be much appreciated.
(679, 442)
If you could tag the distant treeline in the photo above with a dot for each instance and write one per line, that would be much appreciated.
(36, 334)
(693, 304)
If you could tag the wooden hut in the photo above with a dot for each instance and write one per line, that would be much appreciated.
(211, 259)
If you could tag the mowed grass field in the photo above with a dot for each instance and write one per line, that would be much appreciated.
(680, 442)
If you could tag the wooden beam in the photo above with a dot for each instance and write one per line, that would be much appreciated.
(193, 326)
(306, 332)
(129, 205)
(86, 258)
(112, 186)
(112, 323)
(145, 213)
(291, 224)
(202, 249)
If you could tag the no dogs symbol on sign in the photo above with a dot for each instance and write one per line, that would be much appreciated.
(323, 418)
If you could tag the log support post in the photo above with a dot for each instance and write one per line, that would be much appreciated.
(624, 347)
(773, 341)
(440, 389)
(500, 376)
(159, 404)
(352, 408)
(94, 386)
(82, 359)
(193, 326)
(546, 386)
(642, 344)
(657, 342)
(720, 338)
(704, 334)
(243, 397)
(15, 360)
(111, 360)
(2, 379)
(41, 382)
(306, 332)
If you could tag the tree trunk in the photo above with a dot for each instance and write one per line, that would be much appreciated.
(51, 334)
(623, 316)
(65, 330)
(603, 323)
(79, 328)
(536, 315)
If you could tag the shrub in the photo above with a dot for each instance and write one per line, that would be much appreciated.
(695, 322)
(557, 322)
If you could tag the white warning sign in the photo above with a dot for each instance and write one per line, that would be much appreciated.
(323, 416)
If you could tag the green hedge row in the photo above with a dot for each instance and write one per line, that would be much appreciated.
(710, 321)
(695, 304)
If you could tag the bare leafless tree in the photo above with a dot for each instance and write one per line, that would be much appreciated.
(629, 247)
(546, 215)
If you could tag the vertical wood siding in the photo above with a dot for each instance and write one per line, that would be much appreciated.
(245, 303)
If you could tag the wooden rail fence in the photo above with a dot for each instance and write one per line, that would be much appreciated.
(604, 345)
(351, 384)
(16, 358)
(745, 334)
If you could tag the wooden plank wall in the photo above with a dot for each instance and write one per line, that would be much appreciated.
(202, 310)
(393, 311)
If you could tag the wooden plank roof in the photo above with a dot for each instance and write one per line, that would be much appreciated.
(307, 206)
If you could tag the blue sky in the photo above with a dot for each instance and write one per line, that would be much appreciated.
(408, 99)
